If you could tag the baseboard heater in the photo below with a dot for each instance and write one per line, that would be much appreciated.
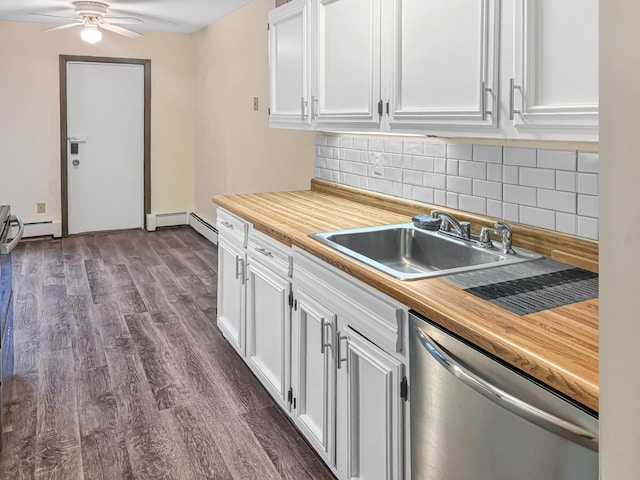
(204, 228)
(51, 228)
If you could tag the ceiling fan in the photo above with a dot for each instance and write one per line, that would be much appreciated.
(93, 17)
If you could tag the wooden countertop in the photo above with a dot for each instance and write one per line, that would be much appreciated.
(559, 347)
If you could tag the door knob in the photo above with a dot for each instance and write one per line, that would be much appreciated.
(76, 162)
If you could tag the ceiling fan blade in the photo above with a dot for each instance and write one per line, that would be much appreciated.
(54, 16)
(126, 12)
(120, 30)
(62, 27)
(121, 20)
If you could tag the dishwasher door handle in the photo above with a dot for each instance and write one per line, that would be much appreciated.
(7, 247)
(543, 419)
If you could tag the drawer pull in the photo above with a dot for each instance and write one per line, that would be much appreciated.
(264, 252)
(227, 224)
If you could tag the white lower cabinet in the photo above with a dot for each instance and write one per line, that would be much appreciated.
(231, 293)
(369, 410)
(314, 373)
(268, 329)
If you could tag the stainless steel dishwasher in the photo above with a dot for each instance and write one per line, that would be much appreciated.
(474, 418)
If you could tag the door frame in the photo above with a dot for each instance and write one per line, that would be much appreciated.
(63, 61)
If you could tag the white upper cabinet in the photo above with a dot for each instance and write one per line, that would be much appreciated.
(442, 64)
(347, 90)
(553, 91)
(290, 65)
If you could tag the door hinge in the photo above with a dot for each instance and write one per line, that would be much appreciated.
(268, 26)
(295, 305)
(404, 389)
(291, 299)
(294, 403)
(387, 108)
(290, 396)
(380, 106)
(269, 111)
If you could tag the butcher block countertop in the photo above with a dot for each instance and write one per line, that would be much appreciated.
(559, 347)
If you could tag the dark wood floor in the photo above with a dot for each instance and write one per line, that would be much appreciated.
(120, 371)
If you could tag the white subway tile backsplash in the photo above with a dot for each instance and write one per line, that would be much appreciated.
(588, 227)
(538, 217)
(360, 143)
(424, 164)
(459, 185)
(547, 188)
(472, 204)
(494, 208)
(494, 172)
(482, 188)
(393, 174)
(511, 212)
(412, 148)
(346, 141)
(558, 159)
(487, 153)
(555, 200)
(566, 181)
(537, 177)
(452, 167)
(588, 206)
(433, 149)
(588, 183)
(434, 180)
(393, 146)
(510, 174)
(519, 195)
(460, 151)
(588, 162)
(422, 194)
(473, 169)
(566, 223)
(412, 177)
(452, 200)
(523, 157)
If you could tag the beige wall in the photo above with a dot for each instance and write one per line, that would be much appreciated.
(620, 236)
(236, 151)
(29, 114)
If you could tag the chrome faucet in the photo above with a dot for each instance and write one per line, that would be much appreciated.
(499, 228)
(462, 229)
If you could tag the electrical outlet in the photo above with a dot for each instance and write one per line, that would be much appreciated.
(377, 168)
(41, 207)
(255, 103)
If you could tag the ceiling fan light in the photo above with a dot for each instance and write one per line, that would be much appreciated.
(91, 34)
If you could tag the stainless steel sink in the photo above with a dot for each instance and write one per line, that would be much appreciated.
(409, 253)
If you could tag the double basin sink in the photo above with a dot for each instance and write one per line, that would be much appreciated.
(409, 253)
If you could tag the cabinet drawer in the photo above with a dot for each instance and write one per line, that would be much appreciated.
(270, 253)
(231, 227)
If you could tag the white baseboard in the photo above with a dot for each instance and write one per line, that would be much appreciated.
(51, 228)
(204, 228)
(155, 220)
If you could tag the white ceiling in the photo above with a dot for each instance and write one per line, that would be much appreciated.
(184, 16)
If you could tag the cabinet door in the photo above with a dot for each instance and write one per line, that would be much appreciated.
(555, 77)
(268, 330)
(371, 408)
(313, 374)
(442, 64)
(348, 63)
(290, 65)
(231, 293)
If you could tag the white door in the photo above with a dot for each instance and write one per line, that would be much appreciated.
(268, 330)
(290, 65)
(348, 64)
(555, 75)
(313, 375)
(231, 293)
(105, 119)
(442, 63)
(370, 411)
